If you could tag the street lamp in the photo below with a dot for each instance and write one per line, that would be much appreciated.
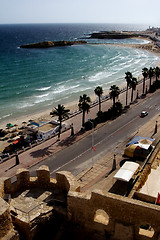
(93, 148)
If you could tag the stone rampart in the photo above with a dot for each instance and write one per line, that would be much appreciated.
(116, 216)
(107, 214)
(64, 181)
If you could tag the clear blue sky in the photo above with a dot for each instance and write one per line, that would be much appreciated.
(80, 11)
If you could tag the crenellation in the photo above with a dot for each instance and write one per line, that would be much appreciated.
(23, 178)
(43, 175)
(66, 181)
(8, 186)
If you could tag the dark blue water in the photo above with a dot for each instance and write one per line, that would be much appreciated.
(35, 79)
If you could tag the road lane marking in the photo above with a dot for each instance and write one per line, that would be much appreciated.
(110, 135)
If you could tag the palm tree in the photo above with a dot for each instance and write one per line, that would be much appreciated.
(150, 73)
(114, 93)
(84, 106)
(145, 74)
(99, 91)
(157, 72)
(133, 85)
(128, 78)
(62, 113)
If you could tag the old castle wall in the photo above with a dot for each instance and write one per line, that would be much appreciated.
(119, 216)
(105, 213)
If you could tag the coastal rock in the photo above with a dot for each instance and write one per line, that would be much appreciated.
(47, 44)
(113, 35)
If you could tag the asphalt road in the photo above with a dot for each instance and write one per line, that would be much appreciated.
(80, 155)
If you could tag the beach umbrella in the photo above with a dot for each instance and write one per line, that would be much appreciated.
(9, 125)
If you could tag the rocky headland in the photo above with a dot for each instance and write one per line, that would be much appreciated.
(113, 35)
(48, 44)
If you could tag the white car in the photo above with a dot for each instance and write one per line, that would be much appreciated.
(143, 114)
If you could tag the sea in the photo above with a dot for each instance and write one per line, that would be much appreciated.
(33, 80)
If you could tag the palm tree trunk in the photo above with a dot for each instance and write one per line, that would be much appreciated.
(114, 101)
(143, 84)
(99, 104)
(60, 127)
(150, 83)
(132, 95)
(83, 118)
(127, 94)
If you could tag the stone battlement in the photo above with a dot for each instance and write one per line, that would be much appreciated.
(64, 181)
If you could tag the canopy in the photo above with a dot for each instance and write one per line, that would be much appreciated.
(139, 139)
(34, 123)
(127, 171)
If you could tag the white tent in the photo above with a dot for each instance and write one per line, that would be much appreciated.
(127, 171)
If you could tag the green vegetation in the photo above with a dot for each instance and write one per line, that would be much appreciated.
(84, 106)
(128, 78)
(99, 91)
(114, 93)
(62, 113)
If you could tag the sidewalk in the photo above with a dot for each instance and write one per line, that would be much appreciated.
(51, 146)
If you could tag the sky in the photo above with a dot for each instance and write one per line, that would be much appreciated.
(80, 11)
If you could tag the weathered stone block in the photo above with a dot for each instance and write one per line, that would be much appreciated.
(43, 175)
(7, 186)
(67, 182)
(123, 232)
(5, 218)
(23, 177)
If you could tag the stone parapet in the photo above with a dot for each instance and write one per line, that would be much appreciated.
(67, 182)
(114, 215)
(64, 181)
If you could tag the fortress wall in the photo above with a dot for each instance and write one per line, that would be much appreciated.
(116, 215)
(64, 181)
(6, 226)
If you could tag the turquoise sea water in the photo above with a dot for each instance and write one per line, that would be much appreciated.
(32, 80)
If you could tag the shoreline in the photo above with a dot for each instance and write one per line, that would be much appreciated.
(44, 115)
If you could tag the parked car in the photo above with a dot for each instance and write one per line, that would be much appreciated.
(143, 114)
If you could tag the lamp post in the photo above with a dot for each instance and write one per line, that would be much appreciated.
(155, 130)
(92, 141)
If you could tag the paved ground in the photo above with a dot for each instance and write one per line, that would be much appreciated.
(34, 155)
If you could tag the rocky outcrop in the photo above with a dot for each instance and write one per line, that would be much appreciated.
(48, 44)
(113, 35)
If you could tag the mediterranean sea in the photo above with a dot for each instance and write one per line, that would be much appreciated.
(33, 80)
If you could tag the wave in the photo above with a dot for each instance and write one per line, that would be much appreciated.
(5, 116)
(25, 105)
(42, 96)
(64, 89)
(43, 88)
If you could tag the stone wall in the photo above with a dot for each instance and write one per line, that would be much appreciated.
(116, 216)
(6, 226)
(64, 181)
(107, 214)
